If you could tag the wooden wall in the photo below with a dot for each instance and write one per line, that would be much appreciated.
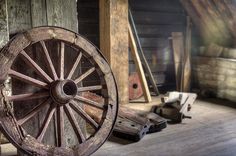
(26, 14)
(155, 20)
(20, 15)
(88, 18)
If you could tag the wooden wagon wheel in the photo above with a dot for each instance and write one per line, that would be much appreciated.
(57, 93)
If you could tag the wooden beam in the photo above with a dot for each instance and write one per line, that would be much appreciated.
(114, 42)
(139, 68)
(19, 15)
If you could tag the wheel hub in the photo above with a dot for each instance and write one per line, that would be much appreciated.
(62, 91)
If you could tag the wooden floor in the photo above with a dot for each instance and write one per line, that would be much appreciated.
(211, 132)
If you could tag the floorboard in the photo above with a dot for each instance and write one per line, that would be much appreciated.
(211, 132)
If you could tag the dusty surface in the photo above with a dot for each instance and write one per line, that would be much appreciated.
(211, 132)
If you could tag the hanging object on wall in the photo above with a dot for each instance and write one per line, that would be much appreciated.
(47, 102)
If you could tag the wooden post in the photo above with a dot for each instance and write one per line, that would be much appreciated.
(114, 42)
(139, 68)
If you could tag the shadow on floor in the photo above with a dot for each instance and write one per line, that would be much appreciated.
(119, 140)
(221, 102)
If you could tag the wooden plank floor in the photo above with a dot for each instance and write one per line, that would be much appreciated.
(211, 132)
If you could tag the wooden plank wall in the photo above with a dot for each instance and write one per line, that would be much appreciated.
(25, 14)
(155, 21)
(4, 30)
(88, 18)
(4, 37)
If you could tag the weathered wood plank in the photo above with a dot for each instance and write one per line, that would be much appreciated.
(139, 67)
(38, 13)
(4, 31)
(4, 37)
(19, 15)
(114, 41)
(63, 14)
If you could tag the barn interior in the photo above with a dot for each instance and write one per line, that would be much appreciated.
(117, 77)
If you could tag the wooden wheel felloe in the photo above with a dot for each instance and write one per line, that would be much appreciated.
(50, 69)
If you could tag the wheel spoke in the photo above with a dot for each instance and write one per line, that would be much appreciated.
(27, 79)
(28, 96)
(34, 111)
(74, 66)
(60, 123)
(35, 66)
(83, 114)
(89, 88)
(49, 61)
(74, 123)
(45, 124)
(62, 60)
(89, 102)
(83, 76)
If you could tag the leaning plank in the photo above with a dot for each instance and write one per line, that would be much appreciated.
(145, 63)
(138, 64)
